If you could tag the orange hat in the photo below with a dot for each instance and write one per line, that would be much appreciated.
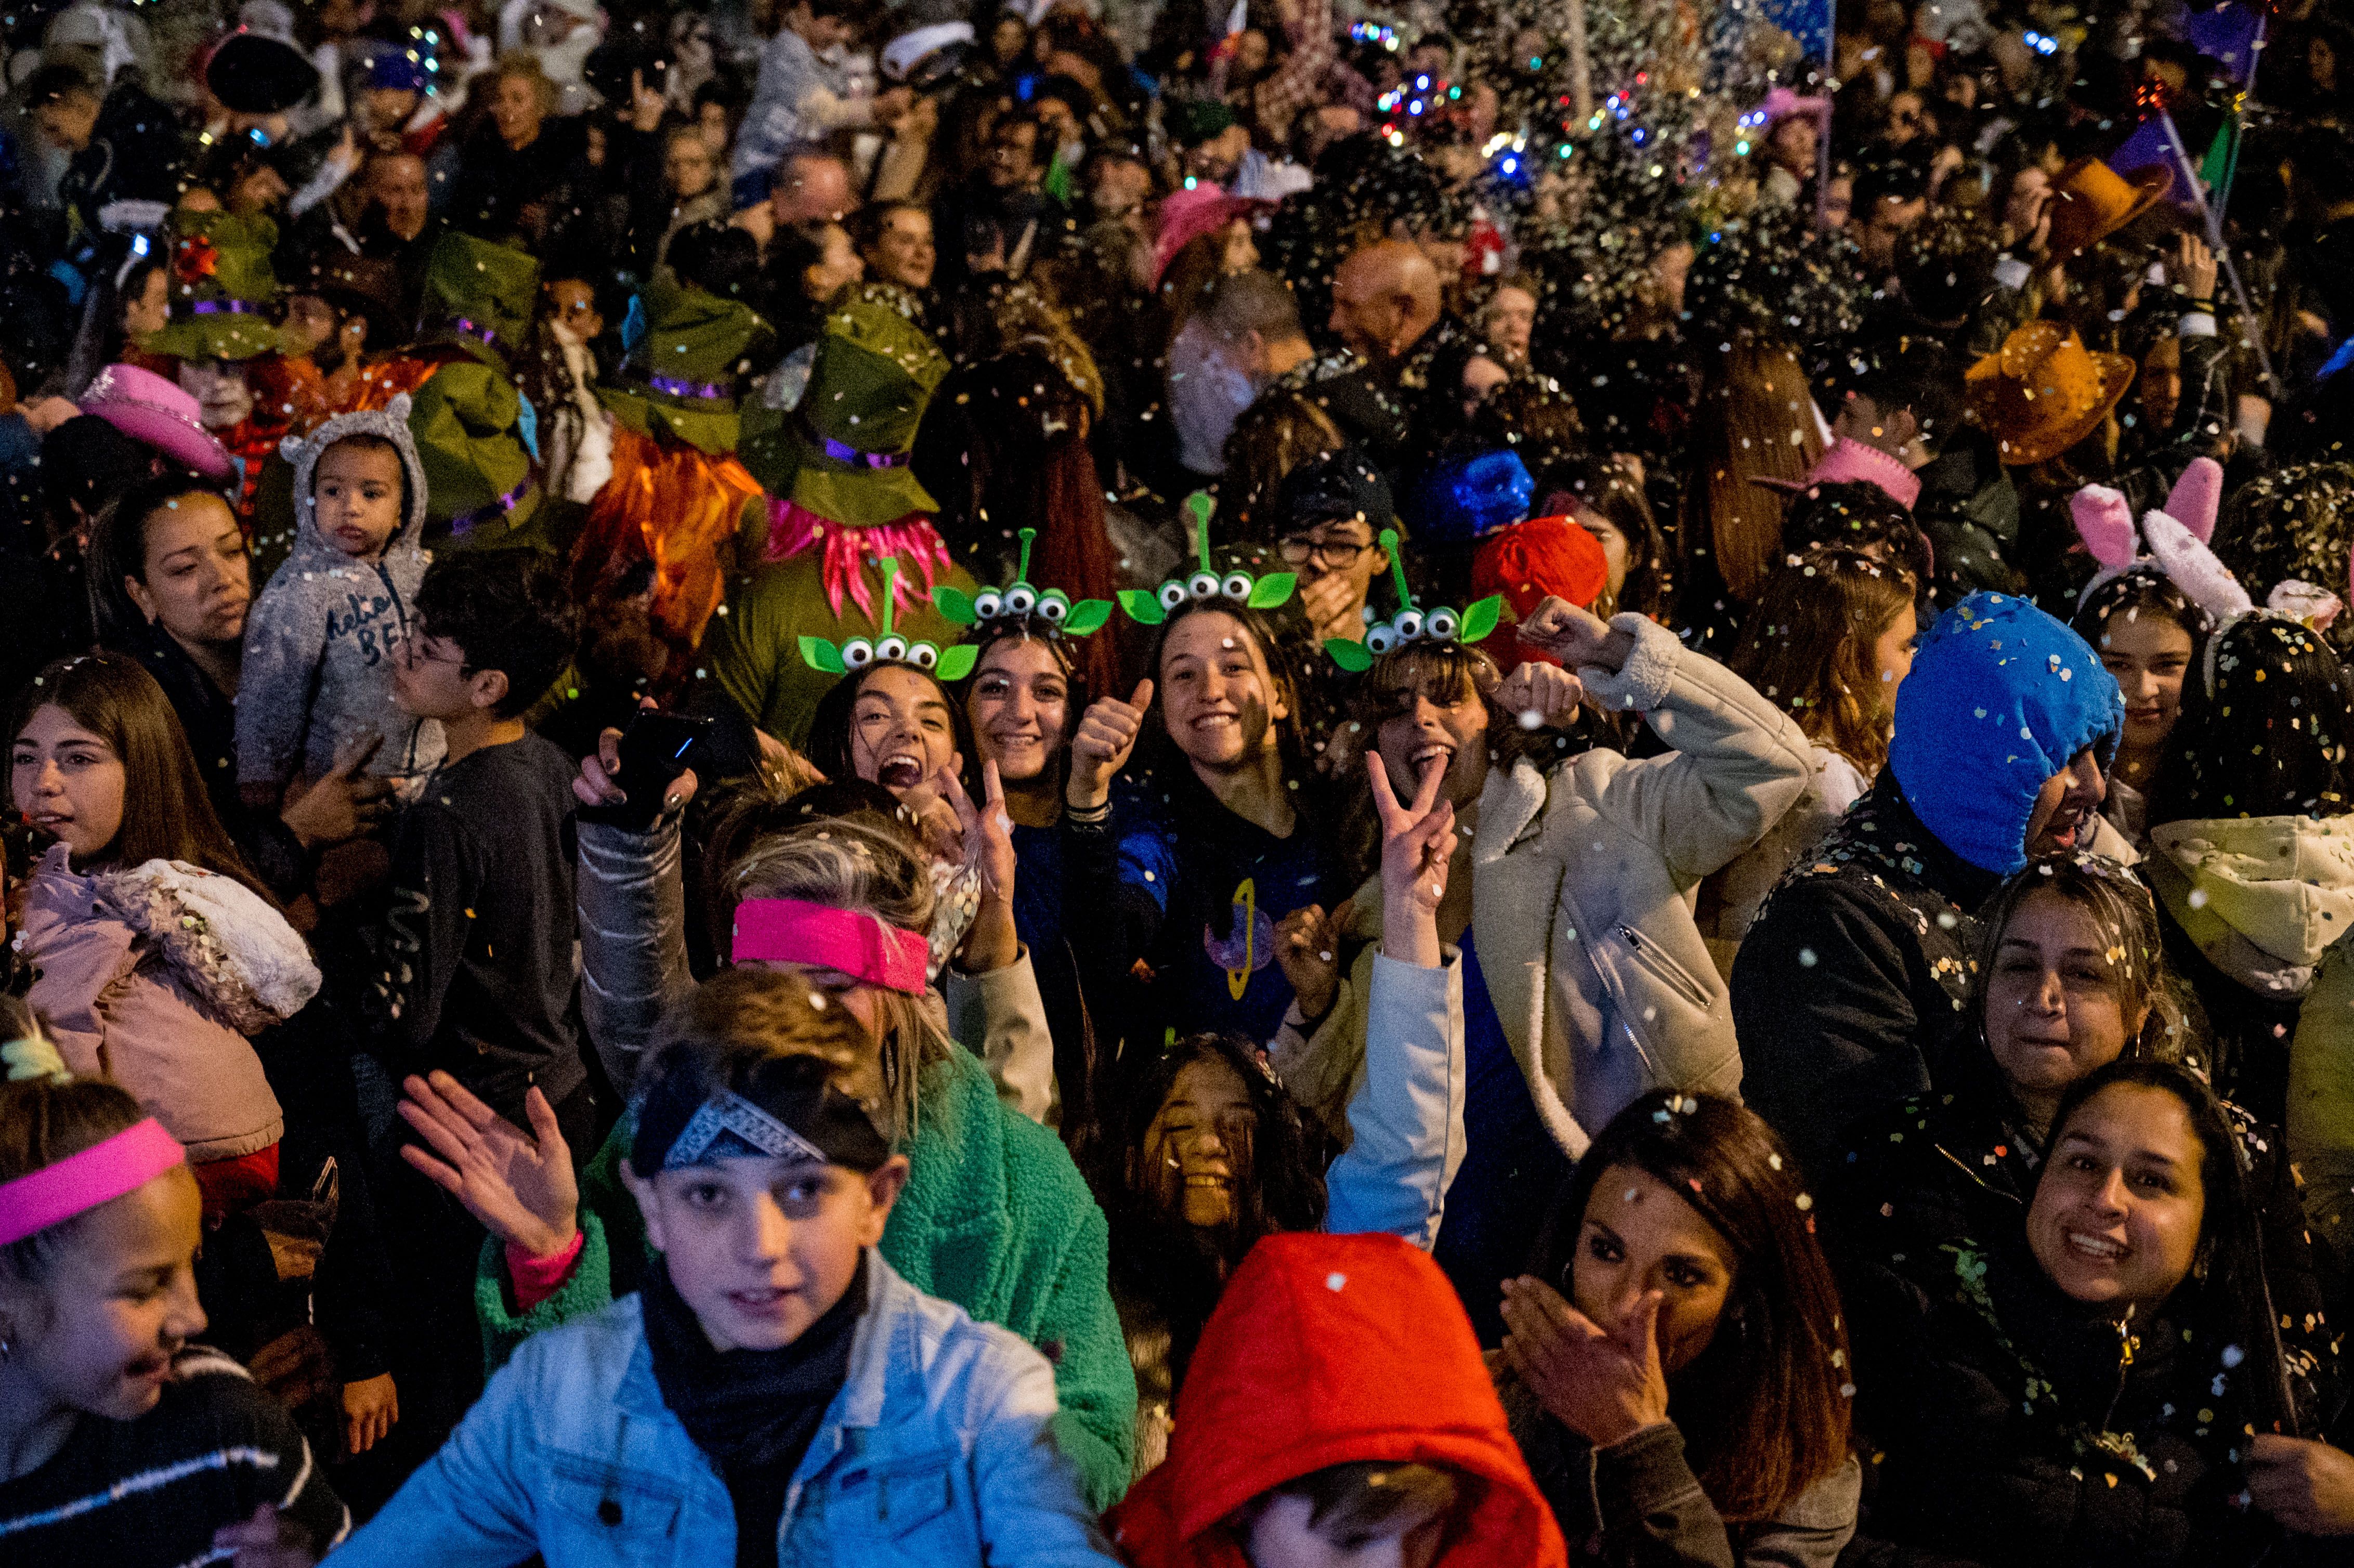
(1528, 561)
(2043, 391)
(2091, 201)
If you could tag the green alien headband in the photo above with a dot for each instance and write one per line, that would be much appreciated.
(1258, 593)
(1411, 624)
(1050, 613)
(947, 663)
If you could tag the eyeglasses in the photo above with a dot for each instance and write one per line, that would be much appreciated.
(1339, 555)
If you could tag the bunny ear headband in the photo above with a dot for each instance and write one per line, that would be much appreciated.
(2178, 538)
(1412, 623)
(1258, 593)
(1049, 613)
(952, 663)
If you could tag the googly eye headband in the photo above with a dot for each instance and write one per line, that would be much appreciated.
(1020, 606)
(1205, 584)
(1412, 623)
(952, 663)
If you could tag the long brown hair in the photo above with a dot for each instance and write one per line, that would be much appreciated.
(1766, 1409)
(1757, 421)
(1808, 646)
(166, 815)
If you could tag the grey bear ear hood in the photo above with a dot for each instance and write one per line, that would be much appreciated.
(389, 423)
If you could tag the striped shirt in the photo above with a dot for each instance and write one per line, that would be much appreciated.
(149, 1493)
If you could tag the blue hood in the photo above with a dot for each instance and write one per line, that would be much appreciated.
(2000, 696)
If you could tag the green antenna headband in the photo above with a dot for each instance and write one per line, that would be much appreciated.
(948, 665)
(1048, 612)
(1205, 584)
(1411, 624)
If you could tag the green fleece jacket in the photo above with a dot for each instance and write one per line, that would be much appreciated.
(994, 1218)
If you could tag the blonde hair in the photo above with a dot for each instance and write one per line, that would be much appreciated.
(862, 861)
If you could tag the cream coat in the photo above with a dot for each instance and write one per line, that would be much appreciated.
(1582, 899)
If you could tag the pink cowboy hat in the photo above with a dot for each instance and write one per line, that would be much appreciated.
(1847, 459)
(1187, 215)
(146, 407)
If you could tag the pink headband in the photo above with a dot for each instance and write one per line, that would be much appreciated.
(788, 931)
(80, 1182)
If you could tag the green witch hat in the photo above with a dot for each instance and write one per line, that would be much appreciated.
(478, 297)
(1049, 613)
(1412, 623)
(478, 481)
(681, 381)
(949, 663)
(843, 456)
(222, 286)
(1258, 593)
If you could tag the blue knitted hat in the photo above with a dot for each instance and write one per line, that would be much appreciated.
(2000, 697)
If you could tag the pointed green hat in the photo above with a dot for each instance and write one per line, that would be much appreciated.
(221, 288)
(681, 380)
(844, 454)
(479, 297)
(478, 481)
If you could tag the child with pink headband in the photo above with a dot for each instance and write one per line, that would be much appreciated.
(121, 1443)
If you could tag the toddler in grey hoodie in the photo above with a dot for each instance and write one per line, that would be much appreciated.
(321, 641)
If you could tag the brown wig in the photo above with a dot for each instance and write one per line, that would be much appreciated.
(166, 815)
(2127, 916)
(1765, 1409)
(1807, 644)
(1757, 421)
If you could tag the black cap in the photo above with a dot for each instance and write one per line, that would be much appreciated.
(253, 73)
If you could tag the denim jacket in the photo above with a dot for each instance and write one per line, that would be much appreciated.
(936, 1453)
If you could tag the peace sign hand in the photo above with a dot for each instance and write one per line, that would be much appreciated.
(1417, 842)
(992, 941)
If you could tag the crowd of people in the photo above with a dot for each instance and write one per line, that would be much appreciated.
(1203, 786)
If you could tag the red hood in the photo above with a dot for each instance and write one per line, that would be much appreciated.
(1324, 1349)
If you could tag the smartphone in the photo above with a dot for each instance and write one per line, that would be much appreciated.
(656, 749)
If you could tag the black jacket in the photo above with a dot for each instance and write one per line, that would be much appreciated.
(1851, 987)
(2006, 1424)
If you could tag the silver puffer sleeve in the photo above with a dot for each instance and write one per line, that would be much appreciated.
(632, 898)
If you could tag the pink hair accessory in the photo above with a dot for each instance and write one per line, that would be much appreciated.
(2314, 605)
(1848, 460)
(2196, 497)
(790, 931)
(81, 1182)
(2104, 523)
(1781, 103)
(2192, 566)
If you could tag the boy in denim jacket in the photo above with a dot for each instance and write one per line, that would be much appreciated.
(774, 1380)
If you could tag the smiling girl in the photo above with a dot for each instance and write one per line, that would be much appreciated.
(2079, 1388)
(120, 1441)
(1214, 841)
(157, 954)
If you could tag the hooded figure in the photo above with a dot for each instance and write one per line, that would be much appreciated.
(1326, 1351)
(1853, 984)
(321, 640)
